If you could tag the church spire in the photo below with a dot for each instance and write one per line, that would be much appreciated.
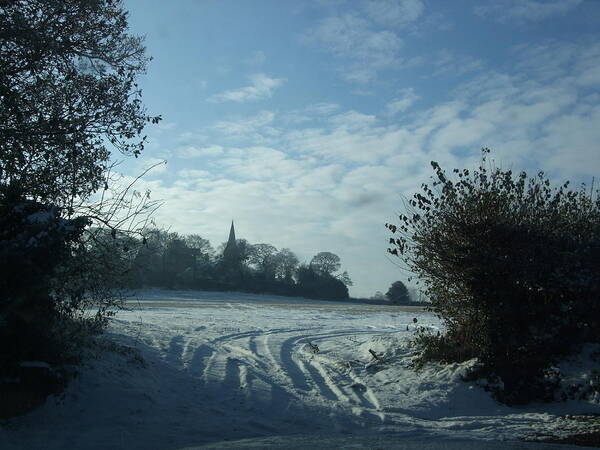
(231, 253)
(231, 240)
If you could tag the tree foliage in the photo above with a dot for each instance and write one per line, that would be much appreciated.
(318, 284)
(68, 95)
(169, 260)
(325, 263)
(263, 258)
(34, 318)
(67, 90)
(511, 266)
(398, 293)
(286, 264)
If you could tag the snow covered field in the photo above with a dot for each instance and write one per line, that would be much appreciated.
(222, 370)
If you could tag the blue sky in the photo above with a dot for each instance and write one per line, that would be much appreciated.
(306, 121)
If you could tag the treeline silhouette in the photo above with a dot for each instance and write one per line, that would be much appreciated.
(176, 261)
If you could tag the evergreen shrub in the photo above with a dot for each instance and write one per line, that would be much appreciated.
(34, 241)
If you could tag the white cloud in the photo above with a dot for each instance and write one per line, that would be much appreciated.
(568, 142)
(448, 62)
(394, 12)
(154, 166)
(403, 102)
(347, 140)
(353, 120)
(323, 178)
(194, 174)
(262, 163)
(461, 133)
(525, 10)
(310, 112)
(352, 38)
(322, 108)
(552, 59)
(261, 87)
(246, 126)
(166, 126)
(366, 37)
(256, 58)
(191, 151)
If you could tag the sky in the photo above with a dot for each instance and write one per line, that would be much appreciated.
(308, 121)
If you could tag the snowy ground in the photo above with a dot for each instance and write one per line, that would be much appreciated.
(215, 370)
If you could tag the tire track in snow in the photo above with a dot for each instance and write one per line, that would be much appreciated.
(367, 397)
(295, 370)
(199, 359)
(251, 366)
(233, 336)
(222, 372)
(264, 340)
(208, 367)
(231, 384)
(175, 350)
(267, 350)
(321, 376)
(249, 348)
(328, 383)
(308, 375)
(188, 345)
(327, 390)
(253, 347)
(266, 393)
(244, 380)
(285, 368)
(254, 333)
(214, 361)
(240, 388)
(360, 393)
(151, 341)
(244, 354)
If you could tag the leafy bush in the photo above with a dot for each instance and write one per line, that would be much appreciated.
(511, 267)
(34, 242)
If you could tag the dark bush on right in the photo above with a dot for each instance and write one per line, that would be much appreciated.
(512, 267)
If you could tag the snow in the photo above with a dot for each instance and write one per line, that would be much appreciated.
(228, 370)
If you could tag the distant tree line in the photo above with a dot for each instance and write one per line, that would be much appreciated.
(401, 295)
(176, 261)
